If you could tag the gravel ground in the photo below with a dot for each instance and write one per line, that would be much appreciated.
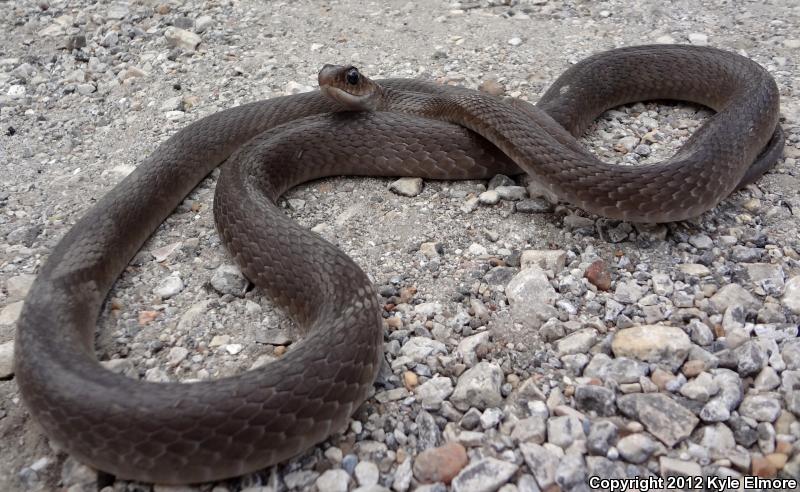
(529, 346)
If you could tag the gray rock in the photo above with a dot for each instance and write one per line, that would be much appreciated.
(431, 250)
(6, 359)
(541, 462)
(613, 310)
(169, 287)
(547, 259)
(534, 206)
(733, 294)
(602, 435)
(419, 349)
(203, 23)
(434, 391)
(407, 186)
(552, 330)
(571, 472)
(11, 313)
(658, 344)
(663, 417)
(181, 38)
(576, 343)
(751, 358)
(761, 408)
(471, 419)
(636, 448)
(273, 336)
(671, 467)
(762, 274)
(626, 144)
(428, 433)
(719, 408)
(733, 319)
(532, 429)
(350, 461)
(374, 488)
(74, 475)
(790, 353)
(662, 284)
(111, 38)
(117, 10)
(512, 192)
(428, 309)
(489, 197)
(336, 480)
(575, 363)
(27, 234)
(490, 418)
(767, 380)
(618, 233)
(682, 299)
(791, 294)
(573, 222)
(479, 387)
(599, 466)
(531, 297)
(701, 241)
(176, 355)
(743, 432)
(564, 430)
(486, 475)
(700, 333)
(527, 483)
(402, 476)
(300, 479)
(701, 388)
(367, 473)
(628, 292)
(717, 439)
(228, 279)
(766, 437)
(597, 399)
(500, 180)
(18, 286)
(499, 275)
(621, 370)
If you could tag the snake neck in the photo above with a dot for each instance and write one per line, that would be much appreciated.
(410, 102)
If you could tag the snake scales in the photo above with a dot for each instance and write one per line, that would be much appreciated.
(171, 432)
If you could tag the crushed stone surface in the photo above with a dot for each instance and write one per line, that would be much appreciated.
(529, 345)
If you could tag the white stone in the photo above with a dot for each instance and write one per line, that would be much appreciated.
(10, 314)
(658, 344)
(6, 359)
(169, 287)
(181, 38)
(791, 295)
(234, 348)
(698, 39)
(407, 186)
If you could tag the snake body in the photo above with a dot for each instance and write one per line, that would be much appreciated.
(176, 433)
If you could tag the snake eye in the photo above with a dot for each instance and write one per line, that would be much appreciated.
(352, 76)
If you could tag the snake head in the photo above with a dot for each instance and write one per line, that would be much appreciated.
(349, 87)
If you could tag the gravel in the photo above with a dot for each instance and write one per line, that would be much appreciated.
(528, 344)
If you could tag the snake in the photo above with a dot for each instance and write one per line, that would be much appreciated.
(172, 432)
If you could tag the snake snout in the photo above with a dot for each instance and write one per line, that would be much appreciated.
(327, 75)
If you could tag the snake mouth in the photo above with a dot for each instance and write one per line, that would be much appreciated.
(353, 102)
(348, 100)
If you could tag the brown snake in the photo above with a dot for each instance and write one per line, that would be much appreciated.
(172, 432)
